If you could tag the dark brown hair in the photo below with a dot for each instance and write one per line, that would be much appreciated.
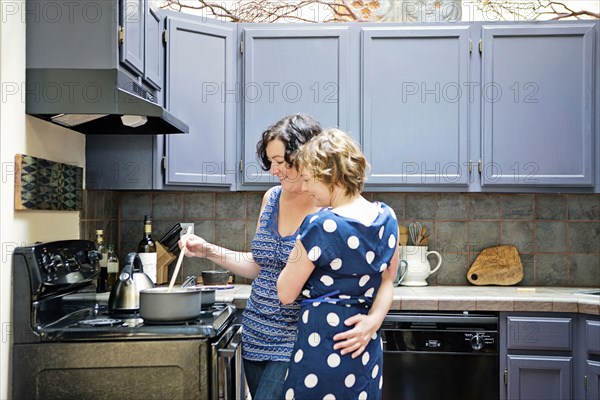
(293, 131)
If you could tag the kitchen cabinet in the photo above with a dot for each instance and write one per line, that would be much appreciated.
(469, 107)
(536, 355)
(587, 378)
(415, 120)
(132, 34)
(537, 105)
(140, 39)
(290, 68)
(154, 59)
(122, 162)
(512, 108)
(200, 79)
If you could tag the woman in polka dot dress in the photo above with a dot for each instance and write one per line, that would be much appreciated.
(345, 257)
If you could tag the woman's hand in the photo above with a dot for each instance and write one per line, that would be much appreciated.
(355, 340)
(195, 246)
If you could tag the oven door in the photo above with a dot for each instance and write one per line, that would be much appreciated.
(228, 381)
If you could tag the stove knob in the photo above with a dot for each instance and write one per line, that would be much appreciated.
(476, 342)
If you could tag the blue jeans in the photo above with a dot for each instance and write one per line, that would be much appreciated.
(265, 378)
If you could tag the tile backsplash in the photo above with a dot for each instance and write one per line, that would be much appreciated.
(557, 235)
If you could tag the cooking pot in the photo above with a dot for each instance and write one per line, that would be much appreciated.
(125, 294)
(177, 305)
(215, 277)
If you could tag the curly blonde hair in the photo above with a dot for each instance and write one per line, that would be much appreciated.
(334, 158)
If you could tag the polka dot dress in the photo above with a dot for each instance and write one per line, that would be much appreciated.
(349, 258)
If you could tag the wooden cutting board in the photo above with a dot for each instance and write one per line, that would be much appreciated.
(500, 265)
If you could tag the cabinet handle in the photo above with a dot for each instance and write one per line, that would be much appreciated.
(470, 166)
(585, 382)
(479, 167)
(505, 376)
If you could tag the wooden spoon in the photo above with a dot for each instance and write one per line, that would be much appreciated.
(402, 235)
(179, 260)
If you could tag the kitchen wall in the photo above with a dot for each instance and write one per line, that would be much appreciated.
(557, 235)
(26, 135)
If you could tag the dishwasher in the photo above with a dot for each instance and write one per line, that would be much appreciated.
(440, 356)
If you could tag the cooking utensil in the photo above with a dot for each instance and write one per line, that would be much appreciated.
(174, 248)
(499, 265)
(163, 304)
(179, 260)
(172, 236)
(414, 229)
(215, 277)
(424, 241)
(402, 235)
(125, 293)
(189, 281)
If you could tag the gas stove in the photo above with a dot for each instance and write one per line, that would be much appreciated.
(96, 323)
(56, 300)
(67, 345)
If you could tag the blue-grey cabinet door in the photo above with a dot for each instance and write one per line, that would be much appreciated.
(289, 69)
(154, 57)
(200, 71)
(415, 104)
(132, 23)
(539, 377)
(126, 162)
(592, 374)
(537, 111)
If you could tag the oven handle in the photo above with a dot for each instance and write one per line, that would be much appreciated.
(233, 382)
(432, 318)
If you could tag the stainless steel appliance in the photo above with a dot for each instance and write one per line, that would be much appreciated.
(68, 346)
(440, 356)
(78, 71)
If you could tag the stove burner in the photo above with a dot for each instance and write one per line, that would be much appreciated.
(170, 323)
(101, 322)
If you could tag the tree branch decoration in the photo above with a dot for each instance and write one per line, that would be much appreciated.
(375, 10)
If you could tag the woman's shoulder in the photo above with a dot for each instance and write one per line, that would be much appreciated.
(272, 193)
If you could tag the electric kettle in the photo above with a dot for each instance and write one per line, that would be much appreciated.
(125, 294)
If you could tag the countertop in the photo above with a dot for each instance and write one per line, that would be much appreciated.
(472, 298)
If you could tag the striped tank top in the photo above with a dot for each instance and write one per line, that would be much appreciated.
(270, 327)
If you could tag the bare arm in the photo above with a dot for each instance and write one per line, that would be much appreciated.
(357, 338)
(237, 262)
(295, 274)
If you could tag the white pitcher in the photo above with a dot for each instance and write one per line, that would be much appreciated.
(418, 267)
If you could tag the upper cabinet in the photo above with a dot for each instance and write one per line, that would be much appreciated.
(537, 109)
(289, 69)
(132, 34)
(141, 34)
(200, 85)
(447, 107)
(415, 120)
(154, 54)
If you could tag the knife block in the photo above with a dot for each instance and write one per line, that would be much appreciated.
(163, 259)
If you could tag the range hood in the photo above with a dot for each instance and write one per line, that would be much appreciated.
(97, 101)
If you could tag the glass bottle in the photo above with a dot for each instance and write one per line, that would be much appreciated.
(112, 266)
(102, 285)
(147, 250)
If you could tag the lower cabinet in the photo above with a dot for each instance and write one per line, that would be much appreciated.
(537, 356)
(588, 372)
(592, 380)
(539, 377)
